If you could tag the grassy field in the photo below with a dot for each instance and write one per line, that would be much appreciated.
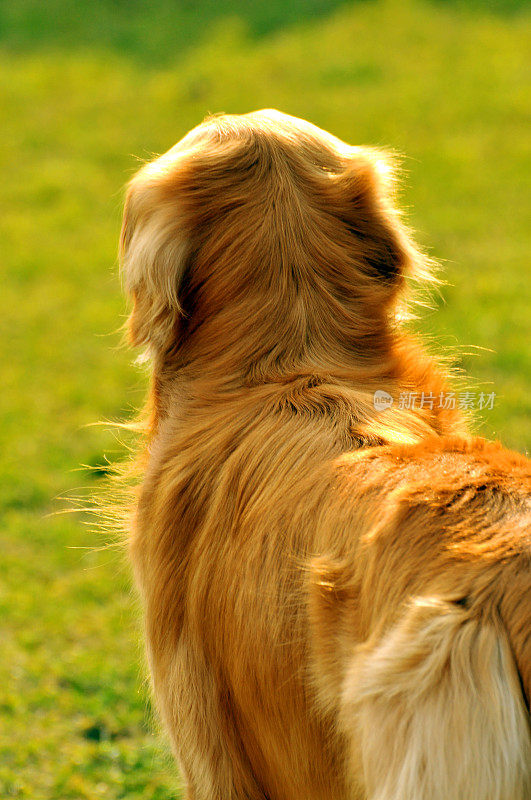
(88, 88)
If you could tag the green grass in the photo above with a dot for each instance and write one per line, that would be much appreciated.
(88, 88)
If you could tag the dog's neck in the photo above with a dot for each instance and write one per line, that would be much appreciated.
(256, 339)
(395, 364)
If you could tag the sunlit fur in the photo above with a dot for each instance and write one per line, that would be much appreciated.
(336, 598)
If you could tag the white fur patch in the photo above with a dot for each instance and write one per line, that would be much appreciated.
(436, 712)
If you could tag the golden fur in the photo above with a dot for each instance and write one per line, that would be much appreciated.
(336, 598)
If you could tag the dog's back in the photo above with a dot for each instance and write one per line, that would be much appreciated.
(323, 624)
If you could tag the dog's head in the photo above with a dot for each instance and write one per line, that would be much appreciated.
(266, 230)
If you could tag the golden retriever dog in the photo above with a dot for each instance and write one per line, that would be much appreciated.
(336, 596)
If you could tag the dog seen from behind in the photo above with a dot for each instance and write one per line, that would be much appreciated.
(337, 596)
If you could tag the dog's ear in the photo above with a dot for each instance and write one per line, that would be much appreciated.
(365, 194)
(153, 252)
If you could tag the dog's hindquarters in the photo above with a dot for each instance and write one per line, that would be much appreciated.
(434, 709)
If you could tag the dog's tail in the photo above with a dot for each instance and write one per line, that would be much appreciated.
(434, 710)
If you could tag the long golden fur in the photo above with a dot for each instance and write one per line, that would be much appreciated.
(337, 599)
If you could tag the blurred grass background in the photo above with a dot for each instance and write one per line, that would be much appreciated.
(85, 90)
